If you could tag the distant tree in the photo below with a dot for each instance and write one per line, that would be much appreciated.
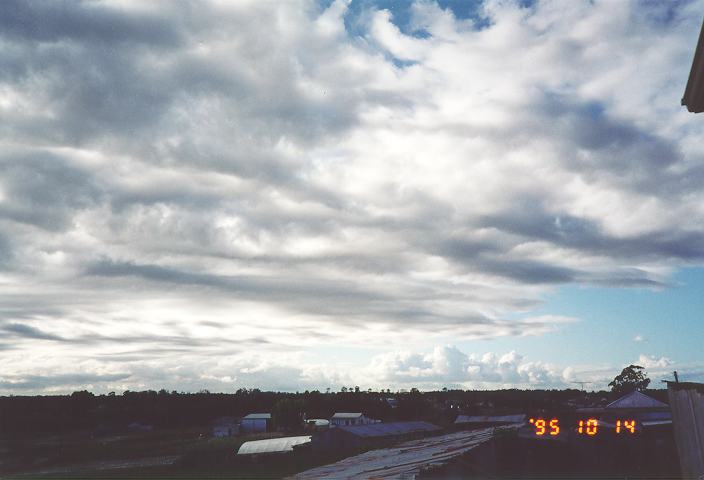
(83, 394)
(631, 378)
(288, 413)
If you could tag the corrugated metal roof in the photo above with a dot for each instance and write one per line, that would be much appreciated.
(257, 416)
(389, 429)
(272, 445)
(519, 418)
(405, 460)
(636, 399)
(347, 415)
(657, 423)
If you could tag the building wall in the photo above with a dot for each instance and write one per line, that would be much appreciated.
(352, 421)
(225, 430)
(345, 421)
(254, 425)
(687, 405)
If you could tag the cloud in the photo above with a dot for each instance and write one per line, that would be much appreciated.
(652, 362)
(177, 176)
(65, 382)
(448, 365)
(639, 338)
(27, 331)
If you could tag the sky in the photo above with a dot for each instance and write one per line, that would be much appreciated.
(315, 194)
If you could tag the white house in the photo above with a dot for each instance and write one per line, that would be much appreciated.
(345, 419)
(255, 422)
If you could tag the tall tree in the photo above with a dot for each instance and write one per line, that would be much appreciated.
(631, 378)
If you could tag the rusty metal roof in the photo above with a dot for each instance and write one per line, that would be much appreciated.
(405, 460)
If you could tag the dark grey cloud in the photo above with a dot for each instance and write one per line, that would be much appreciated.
(45, 190)
(344, 300)
(27, 331)
(83, 21)
(531, 222)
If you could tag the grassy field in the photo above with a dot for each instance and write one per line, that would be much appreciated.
(178, 453)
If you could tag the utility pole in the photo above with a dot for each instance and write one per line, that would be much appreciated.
(582, 384)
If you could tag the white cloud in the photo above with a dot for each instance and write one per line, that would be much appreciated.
(260, 176)
(652, 362)
(448, 365)
(639, 338)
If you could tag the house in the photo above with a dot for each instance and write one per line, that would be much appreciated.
(348, 419)
(255, 423)
(376, 435)
(637, 400)
(273, 445)
(647, 411)
(225, 427)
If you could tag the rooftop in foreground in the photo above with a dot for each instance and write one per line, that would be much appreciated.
(404, 460)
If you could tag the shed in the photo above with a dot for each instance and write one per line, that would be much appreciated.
(359, 437)
(344, 418)
(273, 445)
(256, 422)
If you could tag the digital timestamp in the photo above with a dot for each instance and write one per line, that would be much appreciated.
(590, 427)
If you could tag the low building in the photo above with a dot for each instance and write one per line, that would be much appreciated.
(647, 411)
(349, 419)
(359, 437)
(225, 427)
(273, 445)
(256, 423)
(484, 421)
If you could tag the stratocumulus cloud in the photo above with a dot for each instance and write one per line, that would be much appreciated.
(207, 181)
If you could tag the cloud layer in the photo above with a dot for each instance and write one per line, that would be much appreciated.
(200, 179)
